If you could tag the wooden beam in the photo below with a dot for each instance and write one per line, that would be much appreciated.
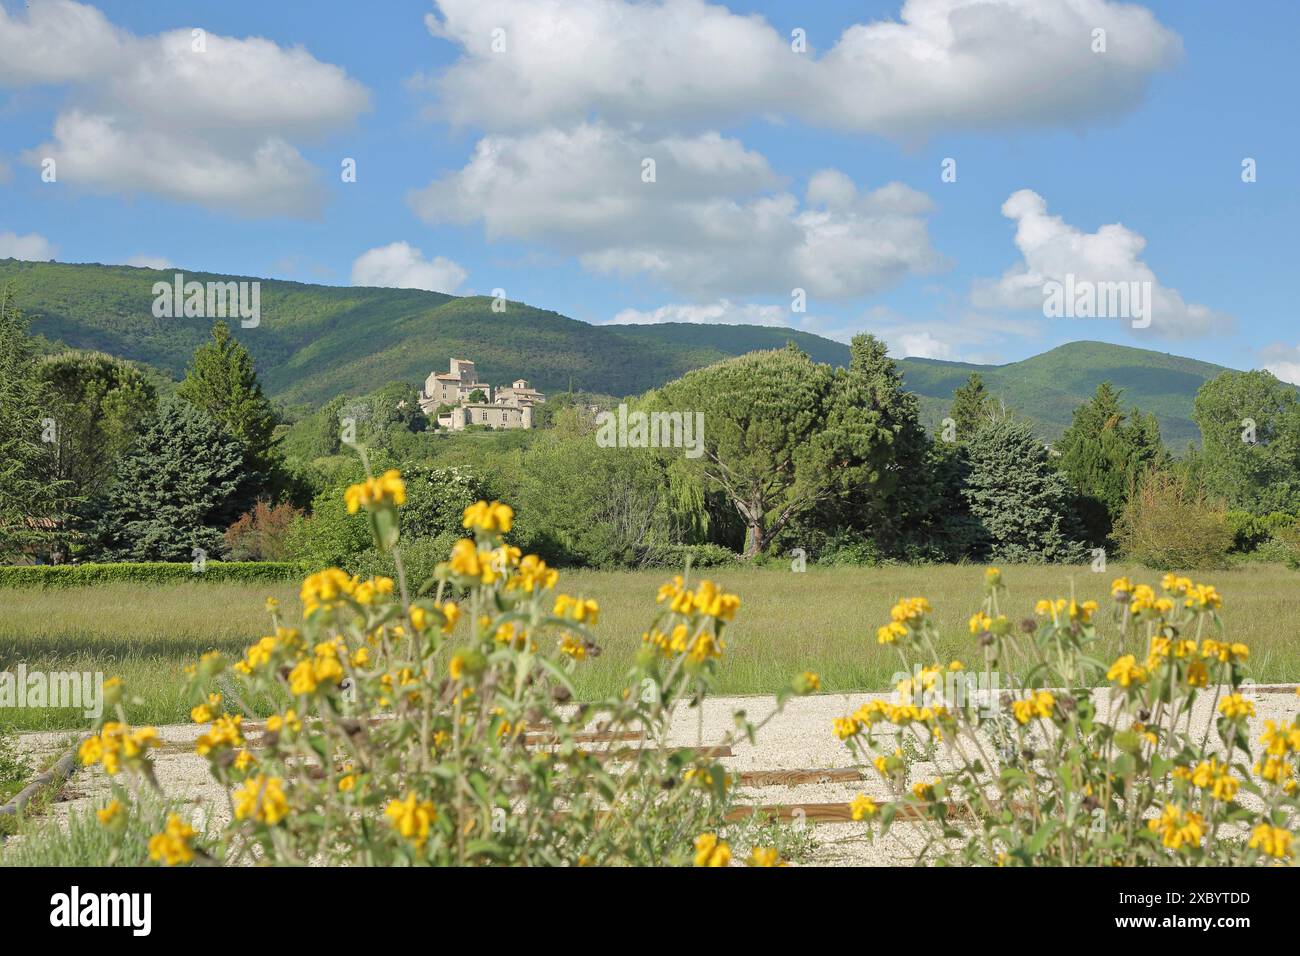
(795, 778)
(823, 812)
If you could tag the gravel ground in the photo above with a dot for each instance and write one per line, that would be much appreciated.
(798, 738)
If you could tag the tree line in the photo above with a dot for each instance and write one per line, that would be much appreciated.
(102, 460)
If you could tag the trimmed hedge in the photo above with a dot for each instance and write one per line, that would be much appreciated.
(147, 572)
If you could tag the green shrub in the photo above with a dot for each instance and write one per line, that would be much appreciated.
(1169, 524)
(148, 572)
(1250, 532)
(420, 557)
(700, 555)
(85, 841)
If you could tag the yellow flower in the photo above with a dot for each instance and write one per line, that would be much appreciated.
(450, 612)
(1203, 597)
(909, 611)
(577, 609)
(325, 589)
(1178, 827)
(470, 562)
(224, 732)
(845, 727)
(863, 806)
(710, 851)
(388, 489)
(810, 683)
(1271, 841)
(765, 856)
(262, 799)
(992, 577)
(1040, 705)
(573, 647)
(116, 743)
(1277, 740)
(172, 846)
(890, 632)
(411, 818)
(1121, 586)
(494, 518)
(712, 601)
(456, 667)
(347, 782)
(1217, 778)
(278, 724)
(302, 679)
(110, 813)
(367, 591)
(1273, 769)
(533, 573)
(980, 622)
(1126, 672)
(1235, 707)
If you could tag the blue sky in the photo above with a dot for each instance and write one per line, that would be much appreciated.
(518, 168)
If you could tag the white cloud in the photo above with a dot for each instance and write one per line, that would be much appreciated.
(399, 266)
(31, 247)
(721, 312)
(1052, 249)
(59, 41)
(146, 261)
(210, 126)
(943, 64)
(714, 222)
(1283, 361)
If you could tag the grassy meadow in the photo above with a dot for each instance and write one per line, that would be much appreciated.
(823, 620)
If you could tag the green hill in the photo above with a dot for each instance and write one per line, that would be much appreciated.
(315, 342)
(1047, 387)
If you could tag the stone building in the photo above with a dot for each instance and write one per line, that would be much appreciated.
(452, 387)
(505, 407)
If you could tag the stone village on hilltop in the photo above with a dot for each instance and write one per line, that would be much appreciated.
(505, 407)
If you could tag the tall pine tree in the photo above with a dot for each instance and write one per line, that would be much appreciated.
(221, 381)
(1103, 454)
(877, 446)
(971, 407)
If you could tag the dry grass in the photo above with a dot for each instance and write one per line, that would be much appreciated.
(822, 620)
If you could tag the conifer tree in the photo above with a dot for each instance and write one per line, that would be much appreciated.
(178, 489)
(970, 407)
(1023, 502)
(1104, 454)
(31, 496)
(222, 382)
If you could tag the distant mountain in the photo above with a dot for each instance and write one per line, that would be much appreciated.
(1046, 388)
(315, 342)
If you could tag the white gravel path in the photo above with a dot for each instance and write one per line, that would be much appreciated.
(798, 738)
